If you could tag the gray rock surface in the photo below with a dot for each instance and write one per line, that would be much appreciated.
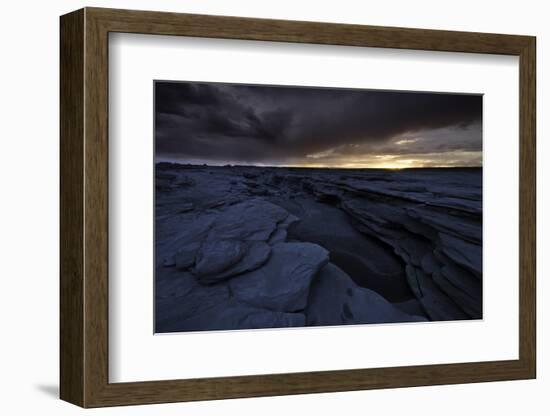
(213, 257)
(252, 220)
(284, 281)
(336, 300)
(245, 247)
(250, 256)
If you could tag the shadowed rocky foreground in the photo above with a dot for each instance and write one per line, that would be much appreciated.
(253, 247)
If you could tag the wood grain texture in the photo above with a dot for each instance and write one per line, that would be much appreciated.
(96, 219)
(84, 207)
(162, 23)
(71, 208)
(527, 207)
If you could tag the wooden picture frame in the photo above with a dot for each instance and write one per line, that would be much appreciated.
(84, 207)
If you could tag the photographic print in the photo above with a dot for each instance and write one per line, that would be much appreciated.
(286, 206)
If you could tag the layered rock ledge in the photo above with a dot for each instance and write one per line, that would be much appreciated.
(244, 247)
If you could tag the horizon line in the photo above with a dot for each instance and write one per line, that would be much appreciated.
(230, 165)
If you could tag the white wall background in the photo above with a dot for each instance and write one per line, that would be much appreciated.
(29, 85)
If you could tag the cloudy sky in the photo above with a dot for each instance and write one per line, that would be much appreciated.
(222, 124)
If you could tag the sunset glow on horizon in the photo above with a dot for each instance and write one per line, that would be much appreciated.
(233, 124)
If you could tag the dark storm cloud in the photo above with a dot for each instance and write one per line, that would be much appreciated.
(264, 124)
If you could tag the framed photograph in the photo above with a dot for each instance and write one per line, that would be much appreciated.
(255, 207)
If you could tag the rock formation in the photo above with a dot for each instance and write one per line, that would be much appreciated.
(247, 247)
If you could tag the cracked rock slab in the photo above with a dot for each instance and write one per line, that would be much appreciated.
(283, 283)
(336, 300)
